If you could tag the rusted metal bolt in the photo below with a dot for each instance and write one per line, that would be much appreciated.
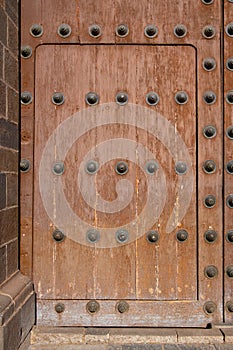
(95, 31)
(152, 236)
(210, 307)
(209, 166)
(26, 51)
(151, 31)
(210, 201)
(209, 64)
(58, 98)
(229, 306)
(211, 271)
(208, 32)
(209, 97)
(26, 98)
(24, 165)
(229, 97)
(122, 307)
(229, 236)
(92, 98)
(229, 63)
(181, 97)
(229, 201)
(209, 131)
(122, 30)
(58, 236)
(180, 31)
(210, 236)
(229, 29)
(64, 30)
(230, 132)
(36, 30)
(92, 306)
(59, 308)
(182, 235)
(181, 168)
(121, 168)
(229, 271)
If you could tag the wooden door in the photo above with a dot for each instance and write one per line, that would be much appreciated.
(121, 205)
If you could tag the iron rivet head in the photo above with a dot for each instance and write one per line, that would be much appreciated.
(26, 98)
(180, 31)
(229, 97)
(229, 167)
(209, 64)
(229, 271)
(209, 166)
(230, 1)
(209, 97)
(58, 168)
(94, 31)
(92, 98)
(58, 98)
(26, 51)
(36, 30)
(122, 98)
(208, 32)
(181, 168)
(181, 97)
(210, 201)
(229, 63)
(182, 235)
(230, 132)
(122, 307)
(24, 165)
(229, 29)
(122, 235)
(151, 31)
(121, 168)
(91, 167)
(151, 167)
(210, 307)
(122, 30)
(152, 236)
(64, 30)
(209, 131)
(92, 306)
(210, 236)
(93, 236)
(207, 2)
(229, 201)
(229, 306)
(58, 236)
(211, 271)
(152, 98)
(229, 236)
(59, 308)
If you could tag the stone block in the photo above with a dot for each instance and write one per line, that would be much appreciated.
(57, 335)
(12, 190)
(8, 134)
(2, 191)
(11, 70)
(12, 37)
(197, 335)
(142, 335)
(97, 335)
(12, 257)
(12, 9)
(9, 225)
(12, 105)
(3, 21)
(2, 264)
(8, 160)
(228, 335)
(2, 99)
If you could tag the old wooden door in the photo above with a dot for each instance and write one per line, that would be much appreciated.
(122, 141)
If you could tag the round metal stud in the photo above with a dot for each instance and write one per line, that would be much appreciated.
(122, 235)
(151, 167)
(94, 31)
(181, 97)
(209, 97)
(230, 1)
(93, 236)
(92, 306)
(152, 98)
(91, 167)
(229, 29)
(64, 30)
(121, 168)
(26, 98)
(151, 31)
(122, 98)
(122, 30)
(92, 98)
(207, 2)
(122, 306)
(209, 166)
(152, 236)
(59, 308)
(209, 131)
(210, 307)
(229, 201)
(230, 132)
(58, 98)
(181, 168)
(229, 167)
(182, 235)
(229, 271)
(211, 271)
(208, 32)
(58, 168)
(229, 97)
(229, 306)
(209, 64)
(180, 31)
(36, 30)
(58, 236)
(210, 236)
(210, 201)
(24, 165)
(229, 63)
(229, 236)
(26, 51)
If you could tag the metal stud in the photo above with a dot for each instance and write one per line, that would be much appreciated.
(122, 306)
(93, 236)
(122, 30)
(229, 236)
(229, 306)
(181, 168)
(64, 30)
(230, 1)
(229, 201)
(209, 166)
(36, 30)
(209, 131)
(92, 98)
(58, 168)
(210, 236)
(229, 64)
(151, 31)
(230, 132)
(59, 308)
(93, 306)
(209, 64)
(26, 51)
(181, 97)
(210, 307)
(180, 31)
(152, 236)
(24, 165)
(229, 29)
(211, 271)
(26, 98)
(229, 271)
(182, 235)
(121, 168)
(58, 98)
(210, 201)
(208, 32)
(122, 98)
(209, 97)
(58, 236)
(122, 235)
(152, 98)
(229, 167)
(207, 2)
(151, 167)
(94, 31)
(229, 97)
(91, 167)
